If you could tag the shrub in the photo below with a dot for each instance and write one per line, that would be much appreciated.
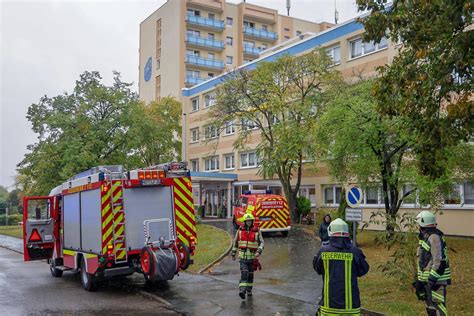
(303, 205)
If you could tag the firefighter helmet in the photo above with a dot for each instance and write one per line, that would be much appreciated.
(426, 219)
(248, 217)
(338, 228)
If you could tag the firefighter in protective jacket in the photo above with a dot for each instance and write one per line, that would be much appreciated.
(434, 273)
(340, 263)
(249, 242)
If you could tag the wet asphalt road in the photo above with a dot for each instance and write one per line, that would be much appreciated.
(287, 285)
(27, 288)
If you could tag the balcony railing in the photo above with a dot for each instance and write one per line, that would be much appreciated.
(194, 80)
(205, 42)
(204, 62)
(209, 23)
(260, 33)
(251, 50)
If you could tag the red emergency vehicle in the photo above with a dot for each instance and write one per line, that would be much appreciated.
(271, 211)
(107, 222)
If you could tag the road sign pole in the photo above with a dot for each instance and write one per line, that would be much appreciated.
(354, 230)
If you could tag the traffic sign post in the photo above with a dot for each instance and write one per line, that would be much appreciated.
(354, 214)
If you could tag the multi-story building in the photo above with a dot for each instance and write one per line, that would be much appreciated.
(221, 173)
(186, 42)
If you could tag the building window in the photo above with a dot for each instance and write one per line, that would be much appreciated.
(248, 160)
(195, 165)
(190, 32)
(211, 16)
(287, 37)
(191, 52)
(229, 40)
(210, 75)
(194, 12)
(211, 55)
(229, 162)
(229, 60)
(372, 195)
(229, 128)
(210, 132)
(249, 43)
(453, 197)
(192, 73)
(298, 33)
(335, 54)
(264, 46)
(287, 29)
(158, 64)
(468, 193)
(248, 125)
(249, 24)
(332, 194)
(194, 135)
(210, 36)
(211, 163)
(195, 104)
(356, 48)
(229, 21)
(209, 100)
(359, 48)
(411, 198)
(265, 27)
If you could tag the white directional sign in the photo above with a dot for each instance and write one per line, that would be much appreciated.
(354, 196)
(353, 214)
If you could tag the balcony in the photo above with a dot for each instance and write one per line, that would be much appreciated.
(204, 62)
(260, 34)
(251, 50)
(209, 24)
(194, 80)
(202, 42)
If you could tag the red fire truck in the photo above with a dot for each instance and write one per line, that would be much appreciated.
(271, 211)
(107, 222)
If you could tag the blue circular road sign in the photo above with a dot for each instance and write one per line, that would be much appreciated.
(354, 196)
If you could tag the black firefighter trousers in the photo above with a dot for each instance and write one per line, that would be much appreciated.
(246, 276)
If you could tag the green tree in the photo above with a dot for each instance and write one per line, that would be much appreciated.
(94, 125)
(374, 150)
(155, 132)
(429, 83)
(3, 198)
(278, 103)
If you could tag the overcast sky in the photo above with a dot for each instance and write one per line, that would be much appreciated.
(45, 45)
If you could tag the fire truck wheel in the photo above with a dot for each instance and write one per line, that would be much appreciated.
(284, 233)
(55, 272)
(148, 264)
(87, 280)
(185, 259)
(234, 222)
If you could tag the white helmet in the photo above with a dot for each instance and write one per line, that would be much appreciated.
(426, 219)
(338, 228)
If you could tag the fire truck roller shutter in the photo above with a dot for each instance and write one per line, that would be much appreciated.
(146, 203)
(71, 216)
(91, 221)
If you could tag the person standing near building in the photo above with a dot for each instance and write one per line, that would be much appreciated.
(249, 242)
(323, 229)
(340, 263)
(434, 273)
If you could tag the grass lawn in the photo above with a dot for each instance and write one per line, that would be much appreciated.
(389, 295)
(15, 231)
(212, 242)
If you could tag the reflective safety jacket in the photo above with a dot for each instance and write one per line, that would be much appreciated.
(433, 262)
(340, 263)
(248, 242)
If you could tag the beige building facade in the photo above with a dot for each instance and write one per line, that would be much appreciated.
(186, 42)
(223, 173)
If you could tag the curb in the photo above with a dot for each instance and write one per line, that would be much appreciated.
(222, 256)
(11, 249)
(154, 297)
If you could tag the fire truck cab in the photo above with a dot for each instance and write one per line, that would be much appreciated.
(107, 222)
(270, 211)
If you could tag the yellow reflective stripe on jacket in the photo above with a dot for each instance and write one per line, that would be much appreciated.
(248, 244)
(246, 254)
(424, 245)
